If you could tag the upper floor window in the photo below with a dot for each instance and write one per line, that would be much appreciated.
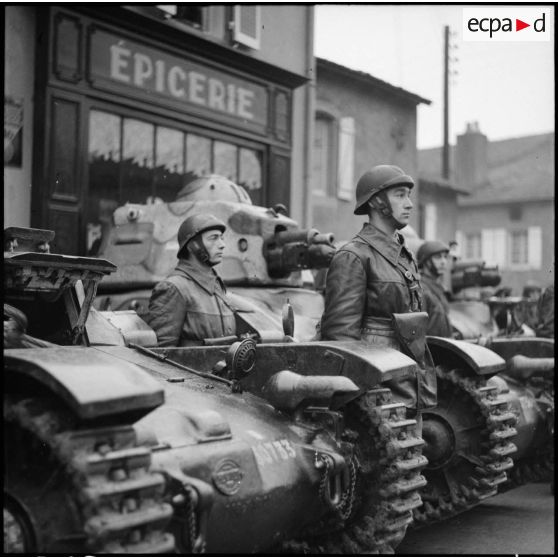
(324, 168)
(246, 25)
(188, 14)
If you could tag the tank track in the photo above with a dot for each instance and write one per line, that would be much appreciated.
(389, 480)
(118, 498)
(489, 469)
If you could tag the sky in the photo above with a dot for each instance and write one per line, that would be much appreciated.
(507, 87)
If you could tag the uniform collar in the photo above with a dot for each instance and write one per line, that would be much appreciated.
(206, 277)
(390, 246)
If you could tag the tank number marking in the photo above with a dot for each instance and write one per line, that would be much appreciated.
(269, 453)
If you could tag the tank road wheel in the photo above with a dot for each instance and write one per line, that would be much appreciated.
(69, 490)
(468, 445)
(388, 454)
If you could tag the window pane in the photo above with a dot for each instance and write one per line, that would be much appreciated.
(250, 173)
(519, 247)
(473, 247)
(169, 163)
(104, 159)
(198, 155)
(224, 160)
(321, 157)
(104, 136)
(137, 161)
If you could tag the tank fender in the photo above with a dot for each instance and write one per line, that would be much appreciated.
(532, 347)
(366, 366)
(479, 360)
(91, 383)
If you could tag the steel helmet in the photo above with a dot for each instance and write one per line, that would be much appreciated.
(377, 179)
(196, 224)
(429, 248)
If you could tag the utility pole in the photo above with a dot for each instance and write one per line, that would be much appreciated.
(445, 149)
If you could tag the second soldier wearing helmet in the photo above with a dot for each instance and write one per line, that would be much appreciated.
(375, 276)
(432, 259)
(190, 304)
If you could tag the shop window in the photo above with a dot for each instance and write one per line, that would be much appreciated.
(225, 159)
(198, 155)
(169, 162)
(250, 173)
(137, 160)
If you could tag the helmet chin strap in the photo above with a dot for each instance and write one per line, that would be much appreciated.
(432, 268)
(199, 250)
(381, 202)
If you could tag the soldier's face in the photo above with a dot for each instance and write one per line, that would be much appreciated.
(439, 262)
(214, 244)
(401, 204)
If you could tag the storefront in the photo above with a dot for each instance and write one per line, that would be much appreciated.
(125, 113)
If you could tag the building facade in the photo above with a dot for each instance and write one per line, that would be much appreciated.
(360, 122)
(123, 104)
(507, 218)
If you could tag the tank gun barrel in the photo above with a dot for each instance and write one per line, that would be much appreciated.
(522, 367)
(293, 250)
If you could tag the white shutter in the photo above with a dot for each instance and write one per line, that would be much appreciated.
(170, 9)
(534, 247)
(247, 25)
(460, 239)
(493, 246)
(430, 221)
(346, 159)
(500, 247)
(486, 246)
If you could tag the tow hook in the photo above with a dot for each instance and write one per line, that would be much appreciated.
(337, 481)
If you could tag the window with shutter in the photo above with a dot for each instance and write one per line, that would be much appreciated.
(247, 25)
(346, 164)
(430, 221)
(534, 247)
(493, 247)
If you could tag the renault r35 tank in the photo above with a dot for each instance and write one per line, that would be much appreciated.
(114, 447)
(263, 259)
(265, 251)
(496, 411)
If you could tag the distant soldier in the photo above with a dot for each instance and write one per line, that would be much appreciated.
(190, 305)
(373, 279)
(432, 259)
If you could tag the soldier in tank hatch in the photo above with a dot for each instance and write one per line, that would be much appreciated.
(374, 279)
(190, 304)
(432, 259)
